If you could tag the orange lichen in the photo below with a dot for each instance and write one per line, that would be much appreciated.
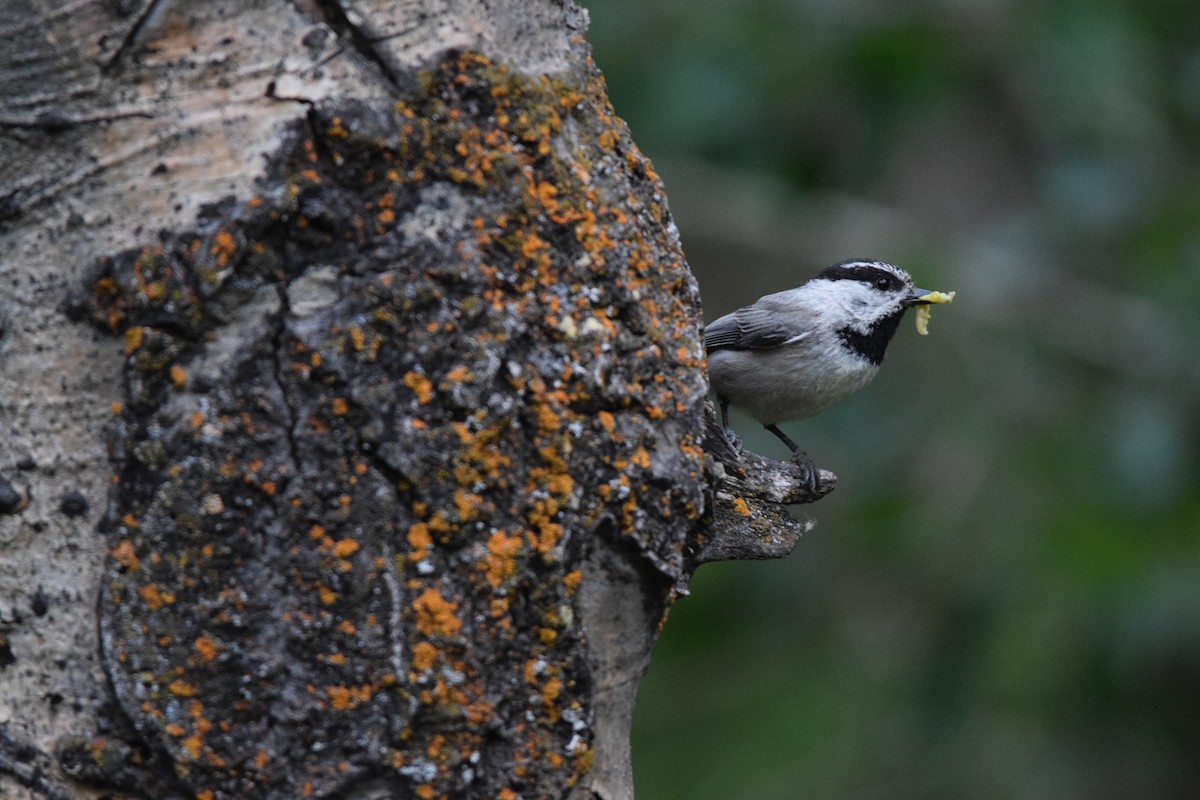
(546, 534)
(206, 647)
(498, 607)
(419, 540)
(548, 420)
(467, 504)
(343, 698)
(500, 565)
(181, 688)
(133, 338)
(436, 615)
(424, 656)
(192, 745)
(572, 580)
(641, 457)
(559, 484)
(336, 130)
(124, 555)
(223, 247)
(463, 432)
(438, 522)
(420, 385)
(436, 745)
(344, 548)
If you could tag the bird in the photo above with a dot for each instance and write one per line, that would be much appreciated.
(793, 354)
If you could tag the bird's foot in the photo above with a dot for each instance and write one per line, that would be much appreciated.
(810, 474)
(721, 442)
(734, 440)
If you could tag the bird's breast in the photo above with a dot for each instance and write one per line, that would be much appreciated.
(790, 382)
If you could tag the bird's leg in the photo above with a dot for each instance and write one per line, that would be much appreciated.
(808, 468)
(797, 453)
(734, 440)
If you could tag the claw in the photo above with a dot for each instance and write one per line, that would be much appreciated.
(722, 443)
(810, 475)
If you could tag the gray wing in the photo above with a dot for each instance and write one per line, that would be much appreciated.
(755, 327)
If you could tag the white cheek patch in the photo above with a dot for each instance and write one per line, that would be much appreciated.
(845, 303)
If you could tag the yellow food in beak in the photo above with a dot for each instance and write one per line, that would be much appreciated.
(923, 309)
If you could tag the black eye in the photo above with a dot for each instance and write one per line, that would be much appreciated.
(883, 284)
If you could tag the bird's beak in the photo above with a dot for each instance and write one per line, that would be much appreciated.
(922, 297)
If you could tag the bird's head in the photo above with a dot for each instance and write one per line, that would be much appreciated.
(863, 301)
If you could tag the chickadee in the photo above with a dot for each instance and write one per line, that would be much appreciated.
(795, 353)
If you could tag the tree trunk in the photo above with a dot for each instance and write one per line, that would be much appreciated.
(351, 372)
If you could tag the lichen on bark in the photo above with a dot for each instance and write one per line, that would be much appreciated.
(376, 416)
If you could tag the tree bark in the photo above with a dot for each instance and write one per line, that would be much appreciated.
(350, 370)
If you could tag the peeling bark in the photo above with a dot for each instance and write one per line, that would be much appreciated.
(351, 369)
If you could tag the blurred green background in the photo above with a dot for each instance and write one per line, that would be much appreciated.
(1002, 598)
